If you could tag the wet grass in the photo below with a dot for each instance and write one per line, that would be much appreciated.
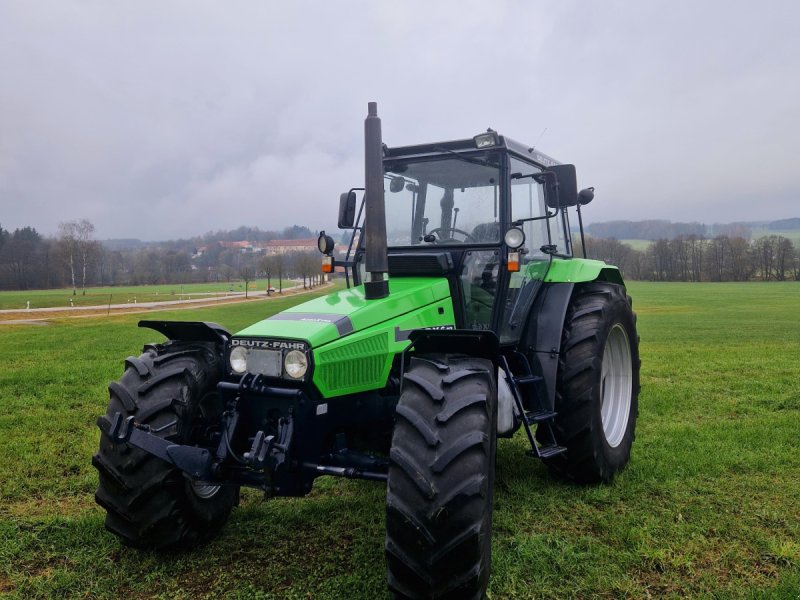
(102, 296)
(709, 506)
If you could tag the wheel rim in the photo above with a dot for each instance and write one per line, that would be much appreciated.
(616, 385)
(204, 490)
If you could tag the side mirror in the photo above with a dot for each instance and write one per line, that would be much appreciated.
(561, 191)
(585, 196)
(347, 210)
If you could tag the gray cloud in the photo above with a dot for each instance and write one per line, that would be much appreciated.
(160, 120)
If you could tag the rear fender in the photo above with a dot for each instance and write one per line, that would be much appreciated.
(579, 270)
(542, 338)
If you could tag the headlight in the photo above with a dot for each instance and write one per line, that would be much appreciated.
(238, 359)
(296, 364)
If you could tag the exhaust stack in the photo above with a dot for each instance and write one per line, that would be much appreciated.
(377, 261)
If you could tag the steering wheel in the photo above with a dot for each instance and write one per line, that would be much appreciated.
(450, 231)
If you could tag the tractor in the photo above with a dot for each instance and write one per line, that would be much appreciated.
(466, 317)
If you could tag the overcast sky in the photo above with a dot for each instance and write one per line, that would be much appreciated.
(159, 120)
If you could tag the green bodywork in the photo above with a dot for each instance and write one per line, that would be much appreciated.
(571, 270)
(578, 270)
(360, 358)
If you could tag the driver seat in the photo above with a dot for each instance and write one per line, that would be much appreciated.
(486, 232)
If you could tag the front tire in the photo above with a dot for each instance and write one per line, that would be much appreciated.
(441, 476)
(597, 386)
(149, 503)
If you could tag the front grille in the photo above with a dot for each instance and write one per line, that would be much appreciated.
(353, 365)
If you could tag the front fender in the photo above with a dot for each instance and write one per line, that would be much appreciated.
(472, 342)
(189, 331)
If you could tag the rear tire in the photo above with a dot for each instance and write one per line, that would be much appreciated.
(597, 386)
(441, 477)
(149, 503)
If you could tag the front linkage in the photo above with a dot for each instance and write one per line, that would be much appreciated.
(269, 454)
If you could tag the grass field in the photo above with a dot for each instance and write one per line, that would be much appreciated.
(640, 245)
(792, 234)
(708, 507)
(125, 294)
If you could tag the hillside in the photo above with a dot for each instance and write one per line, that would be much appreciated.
(651, 230)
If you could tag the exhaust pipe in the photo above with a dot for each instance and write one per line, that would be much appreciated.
(377, 263)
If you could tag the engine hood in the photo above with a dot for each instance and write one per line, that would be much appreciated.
(331, 317)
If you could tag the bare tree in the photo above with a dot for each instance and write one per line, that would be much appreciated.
(248, 274)
(77, 244)
(267, 267)
(784, 257)
(717, 257)
(279, 264)
(739, 263)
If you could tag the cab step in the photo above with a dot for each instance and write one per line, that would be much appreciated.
(538, 416)
(547, 451)
(526, 379)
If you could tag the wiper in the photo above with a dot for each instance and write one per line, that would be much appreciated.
(469, 159)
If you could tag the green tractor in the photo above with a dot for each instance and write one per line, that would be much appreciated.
(466, 318)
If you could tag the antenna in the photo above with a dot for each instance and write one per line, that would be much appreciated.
(539, 139)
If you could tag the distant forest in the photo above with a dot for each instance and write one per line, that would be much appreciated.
(653, 230)
(693, 258)
(699, 252)
(75, 259)
(676, 252)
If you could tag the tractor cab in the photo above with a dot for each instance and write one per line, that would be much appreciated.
(488, 213)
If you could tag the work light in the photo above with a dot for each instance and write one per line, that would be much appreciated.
(325, 243)
(514, 237)
(486, 140)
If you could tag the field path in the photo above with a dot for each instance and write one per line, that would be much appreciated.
(39, 316)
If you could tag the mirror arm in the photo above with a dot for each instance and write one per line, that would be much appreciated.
(519, 222)
(580, 224)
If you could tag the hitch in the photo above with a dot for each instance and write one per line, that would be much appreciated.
(266, 448)
(195, 462)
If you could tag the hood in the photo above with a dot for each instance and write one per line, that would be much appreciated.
(328, 318)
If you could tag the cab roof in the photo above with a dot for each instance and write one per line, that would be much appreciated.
(466, 145)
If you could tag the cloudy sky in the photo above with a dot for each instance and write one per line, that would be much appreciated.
(159, 120)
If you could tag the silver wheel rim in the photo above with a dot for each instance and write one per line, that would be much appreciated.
(204, 490)
(616, 385)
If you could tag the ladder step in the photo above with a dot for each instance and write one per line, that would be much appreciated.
(538, 416)
(548, 451)
(524, 379)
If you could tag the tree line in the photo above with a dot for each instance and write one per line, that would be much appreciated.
(694, 258)
(74, 259)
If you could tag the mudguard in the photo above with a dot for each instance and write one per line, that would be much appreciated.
(542, 337)
(472, 342)
(189, 331)
(578, 270)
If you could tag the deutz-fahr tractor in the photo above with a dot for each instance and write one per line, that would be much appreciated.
(466, 317)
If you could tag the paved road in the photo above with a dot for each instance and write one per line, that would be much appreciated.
(34, 313)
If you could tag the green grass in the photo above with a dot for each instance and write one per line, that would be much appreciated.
(792, 234)
(640, 245)
(101, 296)
(708, 507)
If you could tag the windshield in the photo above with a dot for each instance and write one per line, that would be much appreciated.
(447, 200)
